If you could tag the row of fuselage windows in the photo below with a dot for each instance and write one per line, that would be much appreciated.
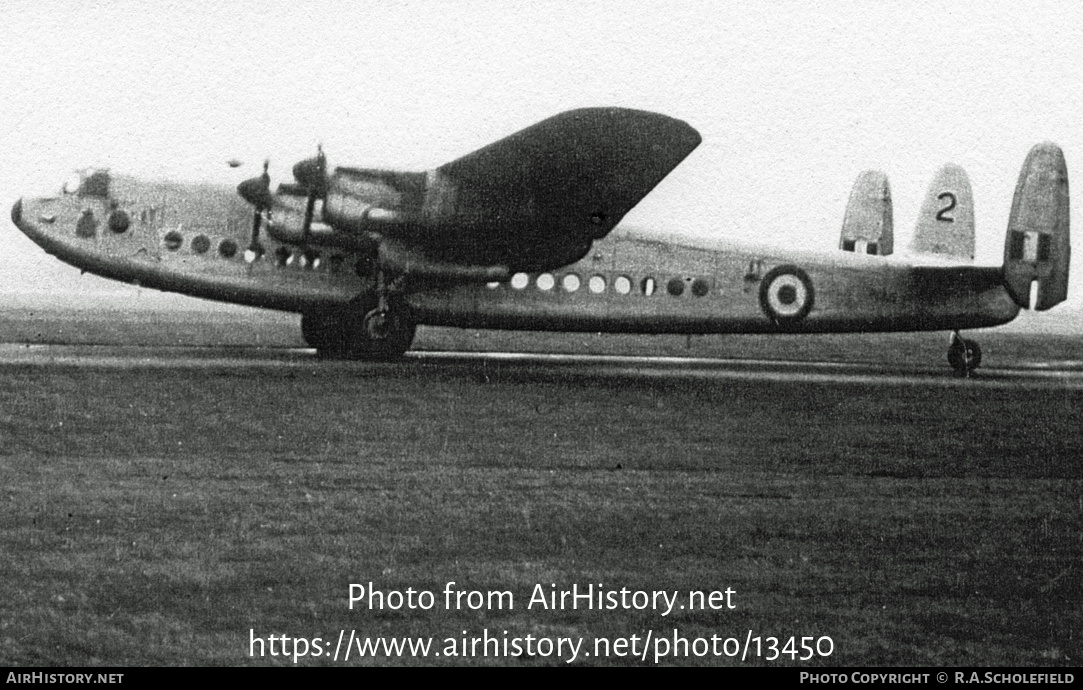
(282, 256)
(545, 282)
(599, 284)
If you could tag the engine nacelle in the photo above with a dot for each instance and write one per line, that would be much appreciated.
(361, 200)
(286, 218)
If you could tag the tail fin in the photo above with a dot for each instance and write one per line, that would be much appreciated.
(868, 227)
(946, 224)
(1038, 246)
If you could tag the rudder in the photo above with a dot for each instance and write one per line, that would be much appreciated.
(1037, 247)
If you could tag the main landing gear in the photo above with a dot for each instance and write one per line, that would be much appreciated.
(380, 323)
(360, 331)
(377, 325)
(964, 356)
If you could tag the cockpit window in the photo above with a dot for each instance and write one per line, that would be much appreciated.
(89, 183)
(72, 184)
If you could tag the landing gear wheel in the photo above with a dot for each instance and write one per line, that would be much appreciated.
(326, 332)
(346, 334)
(964, 356)
(377, 324)
(383, 335)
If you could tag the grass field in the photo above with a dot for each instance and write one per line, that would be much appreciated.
(157, 516)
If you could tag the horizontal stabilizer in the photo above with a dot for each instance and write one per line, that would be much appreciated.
(1038, 246)
(946, 224)
(868, 227)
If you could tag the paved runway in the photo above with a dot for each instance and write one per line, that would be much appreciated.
(1052, 375)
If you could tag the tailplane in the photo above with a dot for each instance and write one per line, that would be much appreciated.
(1037, 246)
(946, 225)
(868, 226)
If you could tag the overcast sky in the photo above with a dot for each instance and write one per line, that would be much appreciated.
(793, 100)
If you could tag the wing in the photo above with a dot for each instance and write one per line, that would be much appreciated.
(532, 201)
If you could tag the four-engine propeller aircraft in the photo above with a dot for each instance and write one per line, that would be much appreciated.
(517, 235)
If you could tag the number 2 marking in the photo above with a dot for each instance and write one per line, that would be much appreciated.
(942, 215)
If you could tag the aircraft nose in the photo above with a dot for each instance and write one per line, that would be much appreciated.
(17, 212)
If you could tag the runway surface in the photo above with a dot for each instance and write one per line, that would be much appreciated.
(160, 503)
(1055, 375)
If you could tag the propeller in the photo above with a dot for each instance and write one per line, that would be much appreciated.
(257, 191)
(311, 174)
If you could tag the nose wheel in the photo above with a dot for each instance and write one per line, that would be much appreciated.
(964, 355)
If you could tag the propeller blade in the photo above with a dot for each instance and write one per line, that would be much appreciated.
(254, 245)
(311, 174)
(257, 191)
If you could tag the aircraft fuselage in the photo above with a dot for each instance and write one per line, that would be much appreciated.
(191, 239)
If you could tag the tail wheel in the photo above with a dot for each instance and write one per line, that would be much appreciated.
(964, 356)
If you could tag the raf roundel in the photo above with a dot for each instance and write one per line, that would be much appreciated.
(786, 294)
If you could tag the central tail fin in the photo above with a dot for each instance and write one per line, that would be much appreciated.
(1038, 247)
(946, 224)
